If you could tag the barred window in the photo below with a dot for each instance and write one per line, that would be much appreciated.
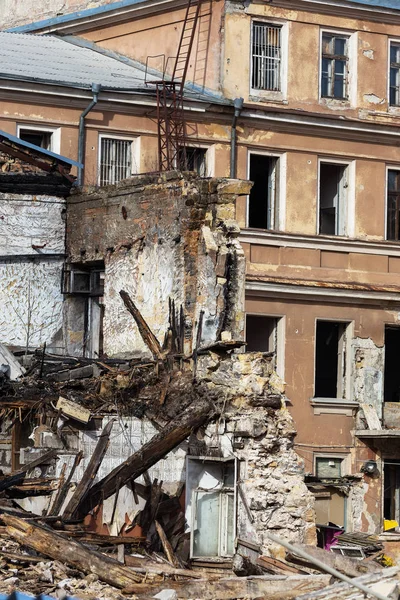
(335, 58)
(115, 160)
(266, 57)
(395, 74)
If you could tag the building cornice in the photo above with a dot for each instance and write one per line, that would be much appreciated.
(319, 242)
(86, 20)
(341, 8)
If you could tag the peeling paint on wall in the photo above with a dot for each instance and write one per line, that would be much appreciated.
(368, 373)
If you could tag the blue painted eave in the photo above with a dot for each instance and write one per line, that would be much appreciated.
(64, 159)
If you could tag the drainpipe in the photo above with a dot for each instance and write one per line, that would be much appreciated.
(96, 87)
(238, 105)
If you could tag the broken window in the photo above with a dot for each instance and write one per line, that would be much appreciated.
(266, 57)
(394, 93)
(334, 76)
(391, 482)
(116, 161)
(333, 186)
(36, 137)
(328, 467)
(331, 359)
(393, 205)
(263, 209)
(211, 504)
(392, 371)
(196, 160)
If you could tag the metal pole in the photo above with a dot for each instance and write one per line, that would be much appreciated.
(81, 140)
(324, 567)
(238, 105)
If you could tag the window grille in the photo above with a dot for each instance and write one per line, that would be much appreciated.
(115, 160)
(334, 80)
(394, 74)
(267, 57)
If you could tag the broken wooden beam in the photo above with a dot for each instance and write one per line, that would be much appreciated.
(147, 335)
(63, 491)
(159, 446)
(58, 547)
(89, 474)
(169, 553)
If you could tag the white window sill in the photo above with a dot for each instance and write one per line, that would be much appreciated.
(337, 406)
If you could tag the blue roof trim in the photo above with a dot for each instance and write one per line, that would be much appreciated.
(393, 4)
(89, 12)
(17, 140)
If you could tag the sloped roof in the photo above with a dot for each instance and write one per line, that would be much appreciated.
(50, 59)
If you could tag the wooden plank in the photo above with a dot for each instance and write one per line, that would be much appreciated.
(159, 446)
(46, 457)
(63, 491)
(89, 474)
(371, 417)
(58, 547)
(278, 565)
(169, 553)
(147, 335)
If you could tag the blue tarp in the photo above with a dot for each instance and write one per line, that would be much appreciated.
(21, 596)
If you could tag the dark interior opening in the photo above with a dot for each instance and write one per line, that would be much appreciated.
(37, 138)
(392, 371)
(329, 190)
(260, 333)
(326, 357)
(262, 195)
(391, 474)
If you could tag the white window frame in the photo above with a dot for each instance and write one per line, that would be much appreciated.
(272, 95)
(349, 217)
(282, 175)
(392, 107)
(135, 150)
(279, 339)
(351, 99)
(55, 140)
(344, 383)
(210, 156)
(345, 458)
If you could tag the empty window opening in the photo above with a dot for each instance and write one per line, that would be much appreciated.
(261, 333)
(36, 137)
(394, 92)
(393, 206)
(334, 77)
(115, 160)
(391, 495)
(263, 199)
(266, 57)
(333, 187)
(211, 507)
(196, 160)
(330, 359)
(392, 371)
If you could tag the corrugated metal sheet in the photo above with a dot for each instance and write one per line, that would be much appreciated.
(50, 59)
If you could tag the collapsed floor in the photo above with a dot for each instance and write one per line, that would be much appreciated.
(216, 418)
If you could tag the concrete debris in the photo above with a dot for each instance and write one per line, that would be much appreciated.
(9, 365)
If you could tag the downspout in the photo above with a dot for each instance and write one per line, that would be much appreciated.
(96, 87)
(238, 105)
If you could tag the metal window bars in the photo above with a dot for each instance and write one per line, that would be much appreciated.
(266, 57)
(115, 160)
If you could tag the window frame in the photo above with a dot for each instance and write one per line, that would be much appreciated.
(279, 335)
(390, 42)
(274, 95)
(345, 367)
(351, 75)
(389, 168)
(135, 152)
(281, 177)
(209, 156)
(343, 466)
(349, 217)
(55, 133)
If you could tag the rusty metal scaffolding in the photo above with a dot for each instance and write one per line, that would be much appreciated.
(170, 113)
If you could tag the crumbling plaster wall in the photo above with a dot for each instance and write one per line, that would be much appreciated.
(32, 246)
(369, 361)
(160, 237)
(13, 14)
